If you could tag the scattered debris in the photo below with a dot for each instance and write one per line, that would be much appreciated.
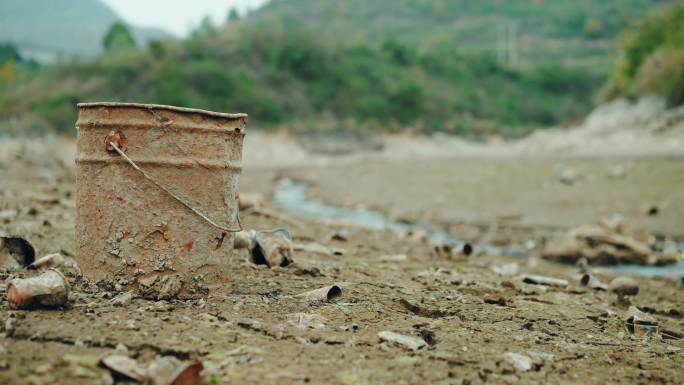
(495, 299)
(164, 370)
(546, 281)
(123, 299)
(650, 210)
(518, 361)
(306, 321)
(421, 310)
(126, 367)
(640, 327)
(505, 269)
(47, 262)
(341, 235)
(441, 274)
(611, 242)
(271, 248)
(50, 289)
(16, 253)
(245, 239)
(8, 214)
(593, 282)
(624, 287)
(640, 323)
(394, 258)
(66, 265)
(407, 342)
(324, 294)
(567, 175)
(451, 250)
(317, 248)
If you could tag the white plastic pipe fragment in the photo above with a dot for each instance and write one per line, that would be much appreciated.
(407, 342)
(322, 295)
(50, 289)
(546, 281)
(317, 248)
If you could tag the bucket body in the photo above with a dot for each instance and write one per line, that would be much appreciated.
(149, 228)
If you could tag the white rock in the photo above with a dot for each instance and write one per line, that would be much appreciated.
(408, 342)
(519, 362)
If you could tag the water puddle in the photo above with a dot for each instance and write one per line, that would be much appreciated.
(291, 195)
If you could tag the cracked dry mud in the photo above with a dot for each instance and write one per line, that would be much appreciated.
(259, 333)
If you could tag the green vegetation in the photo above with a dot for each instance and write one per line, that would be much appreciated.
(653, 60)
(575, 33)
(427, 65)
(118, 37)
(296, 79)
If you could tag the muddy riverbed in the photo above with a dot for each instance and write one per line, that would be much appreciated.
(470, 318)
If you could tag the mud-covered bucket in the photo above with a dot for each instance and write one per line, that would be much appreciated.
(156, 197)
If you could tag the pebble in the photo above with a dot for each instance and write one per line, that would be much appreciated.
(518, 361)
(624, 286)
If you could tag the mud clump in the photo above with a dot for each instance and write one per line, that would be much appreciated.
(160, 287)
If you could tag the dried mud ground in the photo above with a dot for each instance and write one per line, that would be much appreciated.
(257, 333)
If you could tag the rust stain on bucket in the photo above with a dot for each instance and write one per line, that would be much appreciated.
(156, 197)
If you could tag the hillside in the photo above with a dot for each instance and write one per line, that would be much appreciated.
(578, 32)
(302, 74)
(653, 60)
(46, 29)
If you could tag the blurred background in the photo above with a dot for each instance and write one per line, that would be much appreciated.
(479, 69)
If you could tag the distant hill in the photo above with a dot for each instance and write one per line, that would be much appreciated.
(474, 68)
(46, 29)
(525, 32)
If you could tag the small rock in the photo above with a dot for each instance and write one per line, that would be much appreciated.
(131, 325)
(306, 321)
(494, 299)
(407, 342)
(624, 286)
(505, 269)
(123, 299)
(518, 361)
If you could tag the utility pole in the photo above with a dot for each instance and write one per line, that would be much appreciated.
(507, 48)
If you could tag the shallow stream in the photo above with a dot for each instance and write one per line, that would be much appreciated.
(291, 195)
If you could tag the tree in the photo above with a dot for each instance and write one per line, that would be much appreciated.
(9, 52)
(206, 28)
(118, 38)
(233, 15)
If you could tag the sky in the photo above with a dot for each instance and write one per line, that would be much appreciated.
(178, 17)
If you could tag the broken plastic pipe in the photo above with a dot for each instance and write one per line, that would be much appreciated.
(546, 281)
(49, 289)
(271, 248)
(324, 294)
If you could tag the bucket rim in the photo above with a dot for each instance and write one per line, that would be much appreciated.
(163, 107)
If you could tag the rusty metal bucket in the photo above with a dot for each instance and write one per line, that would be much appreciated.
(156, 197)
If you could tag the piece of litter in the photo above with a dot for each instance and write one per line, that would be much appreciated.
(518, 361)
(407, 342)
(324, 294)
(49, 289)
(546, 281)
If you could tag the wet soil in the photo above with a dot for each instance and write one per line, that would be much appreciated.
(257, 332)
